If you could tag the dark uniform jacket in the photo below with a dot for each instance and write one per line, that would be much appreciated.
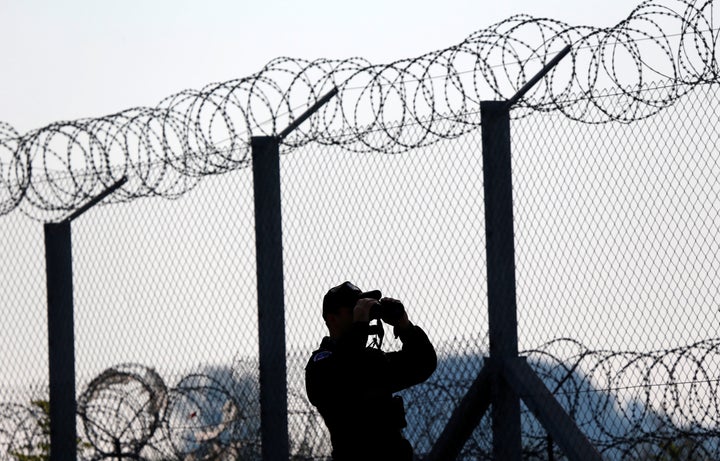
(352, 387)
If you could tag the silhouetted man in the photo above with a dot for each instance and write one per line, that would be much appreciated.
(352, 384)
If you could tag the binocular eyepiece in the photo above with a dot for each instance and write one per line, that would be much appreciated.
(389, 310)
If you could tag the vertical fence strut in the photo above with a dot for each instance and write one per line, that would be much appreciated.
(270, 288)
(61, 331)
(506, 378)
(270, 293)
(500, 250)
(61, 341)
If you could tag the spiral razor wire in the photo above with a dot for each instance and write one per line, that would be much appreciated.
(630, 405)
(165, 150)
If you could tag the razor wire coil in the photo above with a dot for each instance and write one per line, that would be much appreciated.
(624, 401)
(667, 46)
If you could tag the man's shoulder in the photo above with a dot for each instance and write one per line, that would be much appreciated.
(324, 352)
(320, 354)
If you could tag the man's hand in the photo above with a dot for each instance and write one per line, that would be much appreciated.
(401, 322)
(361, 312)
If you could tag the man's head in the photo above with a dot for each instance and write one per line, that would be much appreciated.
(338, 305)
(345, 295)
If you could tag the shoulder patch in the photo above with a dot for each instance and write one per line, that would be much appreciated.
(321, 355)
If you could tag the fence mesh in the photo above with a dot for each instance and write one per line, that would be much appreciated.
(616, 253)
(615, 215)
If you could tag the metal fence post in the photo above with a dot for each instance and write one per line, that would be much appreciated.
(61, 341)
(61, 330)
(271, 304)
(500, 249)
(505, 375)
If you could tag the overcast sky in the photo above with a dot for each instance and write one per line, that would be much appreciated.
(87, 58)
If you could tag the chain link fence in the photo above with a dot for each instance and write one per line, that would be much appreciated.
(616, 256)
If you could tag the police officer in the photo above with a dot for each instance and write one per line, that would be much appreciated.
(352, 384)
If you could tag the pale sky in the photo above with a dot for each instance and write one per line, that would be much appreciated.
(88, 58)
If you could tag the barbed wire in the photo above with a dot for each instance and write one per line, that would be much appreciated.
(627, 403)
(630, 405)
(165, 150)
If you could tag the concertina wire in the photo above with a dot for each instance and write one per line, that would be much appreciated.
(629, 404)
(646, 62)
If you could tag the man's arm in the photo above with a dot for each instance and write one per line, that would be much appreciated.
(416, 361)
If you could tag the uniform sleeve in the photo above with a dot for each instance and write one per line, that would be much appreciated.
(415, 362)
